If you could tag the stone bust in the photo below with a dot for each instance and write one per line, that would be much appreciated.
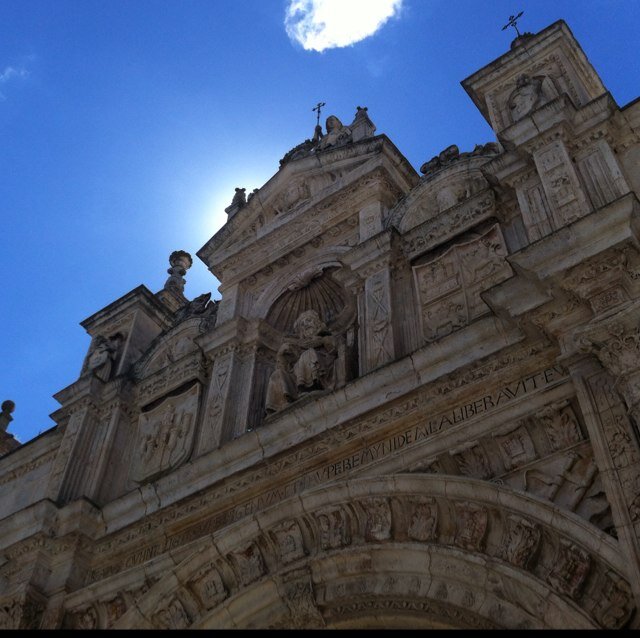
(525, 97)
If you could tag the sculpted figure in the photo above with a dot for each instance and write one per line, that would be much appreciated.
(337, 133)
(304, 363)
(104, 353)
(525, 97)
(8, 407)
(314, 368)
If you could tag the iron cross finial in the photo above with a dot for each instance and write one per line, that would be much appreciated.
(513, 23)
(317, 107)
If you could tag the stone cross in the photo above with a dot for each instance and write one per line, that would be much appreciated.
(317, 108)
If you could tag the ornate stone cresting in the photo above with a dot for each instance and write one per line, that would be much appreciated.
(337, 134)
(452, 154)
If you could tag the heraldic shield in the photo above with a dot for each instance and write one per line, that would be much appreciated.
(449, 287)
(165, 435)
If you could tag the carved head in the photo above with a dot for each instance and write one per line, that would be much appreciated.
(309, 324)
(333, 124)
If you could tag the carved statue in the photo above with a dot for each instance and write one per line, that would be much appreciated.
(337, 133)
(103, 355)
(304, 363)
(5, 416)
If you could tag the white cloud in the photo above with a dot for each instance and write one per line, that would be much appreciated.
(324, 24)
(9, 73)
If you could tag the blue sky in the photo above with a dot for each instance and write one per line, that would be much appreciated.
(125, 126)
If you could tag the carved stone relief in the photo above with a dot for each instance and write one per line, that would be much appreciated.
(378, 519)
(379, 333)
(171, 614)
(334, 528)
(521, 541)
(249, 563)
(207, 586)
(516, 446)
(471, 525)
(561, 184)
(571, 569)
(560, 424)
(289, 541)
(165, 435)
(424, 519)
(449, 286)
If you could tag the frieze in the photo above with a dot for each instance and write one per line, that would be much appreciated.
(531, 545)
(190, 367)
(433, 232)
(371, 453)
(334, 208)
(21, 470)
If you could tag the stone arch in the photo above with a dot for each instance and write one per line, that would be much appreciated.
(408, 551)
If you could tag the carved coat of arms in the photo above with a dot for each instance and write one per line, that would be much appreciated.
(165, 435)
(449, 286)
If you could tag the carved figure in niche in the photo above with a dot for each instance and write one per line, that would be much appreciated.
(333, 529)
(88, 619)
(103, 355)
(614, 604)
(471, 525)
(572, 566)
(525, 97)
(521, 541)
(378, 526)
(250, 564)
(423, 520)
(304, 363)
(337, 133)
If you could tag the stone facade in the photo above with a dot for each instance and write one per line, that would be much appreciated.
(415, 405)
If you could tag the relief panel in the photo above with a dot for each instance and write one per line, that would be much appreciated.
(449, 286)
(165, 435)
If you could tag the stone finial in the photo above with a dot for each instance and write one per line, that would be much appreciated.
(180, 262)
(238, 201)
(5, 416)
(362, 126)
